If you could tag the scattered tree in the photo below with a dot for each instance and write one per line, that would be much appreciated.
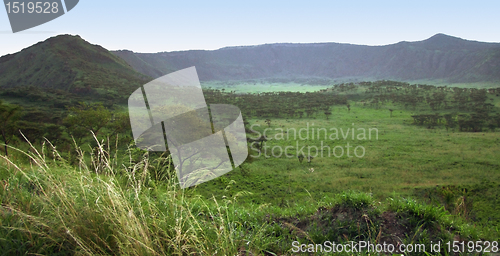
(85, 118)
(268, 122)
(327, 114)
(309, 159)
(301, 158)
(9, 116)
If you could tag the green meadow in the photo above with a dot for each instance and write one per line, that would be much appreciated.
(259, 87)
(382, 162)
(404, 159)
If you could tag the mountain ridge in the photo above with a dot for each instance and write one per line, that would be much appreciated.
(70, 64)
(440, 57)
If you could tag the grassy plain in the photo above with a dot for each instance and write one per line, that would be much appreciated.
(259, 87)
(413, 184)
(403, 160)
(102, 208)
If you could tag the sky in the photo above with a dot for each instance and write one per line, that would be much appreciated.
(157, 26)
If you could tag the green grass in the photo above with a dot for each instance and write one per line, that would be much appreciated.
(102, 207)
(266, 86)
(413, 185)
(478, 85)
(259, 87)
(404, 157)
(406, 160)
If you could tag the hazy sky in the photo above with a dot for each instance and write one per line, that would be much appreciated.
(154, 26)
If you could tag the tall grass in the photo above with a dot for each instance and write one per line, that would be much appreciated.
(102, 208)
(111, 203)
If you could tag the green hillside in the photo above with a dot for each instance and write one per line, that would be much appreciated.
(68, 64)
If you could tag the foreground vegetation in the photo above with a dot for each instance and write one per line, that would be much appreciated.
(429, 173)
(49, 207)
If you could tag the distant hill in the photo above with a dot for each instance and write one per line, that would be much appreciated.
(440, 57)
(71, 66)
(68, 65)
